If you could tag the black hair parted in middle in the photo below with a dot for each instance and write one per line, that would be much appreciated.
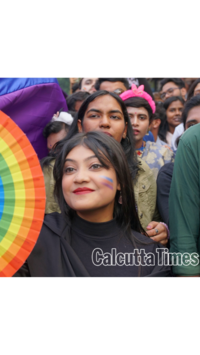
(110, 153)
(112, 80)
(128, 144)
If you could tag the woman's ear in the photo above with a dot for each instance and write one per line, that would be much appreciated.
(79, 126)
(118, 187)
(125, 131)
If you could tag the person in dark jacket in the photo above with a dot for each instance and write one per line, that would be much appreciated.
(98, 232)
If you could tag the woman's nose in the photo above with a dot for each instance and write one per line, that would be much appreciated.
(105, 121)
(81, 176)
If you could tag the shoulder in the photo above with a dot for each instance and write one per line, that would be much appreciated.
(154, 150)
(166, 170)
(49, 167)
(178, 130)
(145, 174)
(143, 166)
(191, 136)
(55, 222)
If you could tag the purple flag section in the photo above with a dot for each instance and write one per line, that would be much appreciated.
(32, 107)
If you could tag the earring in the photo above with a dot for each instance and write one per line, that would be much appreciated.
(120, 198)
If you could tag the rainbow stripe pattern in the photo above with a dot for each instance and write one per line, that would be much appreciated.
(107, 182)
(22, 197)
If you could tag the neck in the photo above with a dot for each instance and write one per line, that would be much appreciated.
(171, 129)
(138, 144)
(154, 131)
(101, 215)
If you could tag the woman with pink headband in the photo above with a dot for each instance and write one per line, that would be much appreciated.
(140, 107)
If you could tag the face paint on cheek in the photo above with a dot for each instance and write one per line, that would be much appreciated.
(108, 182)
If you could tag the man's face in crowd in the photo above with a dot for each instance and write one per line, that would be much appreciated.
(171, 89)
(118, 87)
(88, 85)
(139, 118)
(193, 117)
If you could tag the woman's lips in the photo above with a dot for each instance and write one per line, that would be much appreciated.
(177, 119)
(136, 132)
(82, 190)
(108, 134)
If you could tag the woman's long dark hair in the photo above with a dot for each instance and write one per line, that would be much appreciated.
(109, 152)
(164, 127)
(127, 144)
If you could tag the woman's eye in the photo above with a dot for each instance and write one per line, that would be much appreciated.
(68, 170)
(94, 116)
(114, 117)
(96, 166)
(142, 118)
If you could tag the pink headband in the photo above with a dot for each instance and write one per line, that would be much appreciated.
(138, 92)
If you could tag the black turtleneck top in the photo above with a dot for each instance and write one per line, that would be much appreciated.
(92, 249)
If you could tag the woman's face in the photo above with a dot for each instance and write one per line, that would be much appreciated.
(104, 114)
(197, 90)
(87, 186)
(88, 85)
(174, 112)
(139, 118)
(193, 117)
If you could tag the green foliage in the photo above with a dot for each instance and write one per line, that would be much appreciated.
(64, 84)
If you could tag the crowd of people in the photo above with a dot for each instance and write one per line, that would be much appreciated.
(122, 181)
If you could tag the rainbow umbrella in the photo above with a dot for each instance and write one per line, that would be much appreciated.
(22, 197)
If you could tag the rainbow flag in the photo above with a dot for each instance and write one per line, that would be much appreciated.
(31, 103)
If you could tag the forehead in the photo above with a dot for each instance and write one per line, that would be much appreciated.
(79, 153)
(169, 85)
(137, 110)
(109, 86)
(104, 103)
(194, 113)
(78, 105)
(175, 104)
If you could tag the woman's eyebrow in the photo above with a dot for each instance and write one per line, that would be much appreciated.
(94, 110)
(74, 161)
(111, 111)
(115, 111)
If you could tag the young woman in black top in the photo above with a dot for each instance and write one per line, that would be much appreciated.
(92, 236)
